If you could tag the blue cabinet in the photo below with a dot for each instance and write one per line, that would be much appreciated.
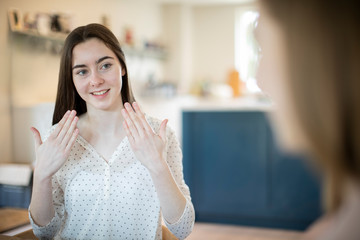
(15, 196)
(237, 175)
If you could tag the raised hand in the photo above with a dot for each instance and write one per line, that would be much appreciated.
(52, 154)
(149, 147)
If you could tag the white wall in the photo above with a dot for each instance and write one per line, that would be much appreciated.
(201, 39)
(5, 110)
(213, 34)
(178, 24)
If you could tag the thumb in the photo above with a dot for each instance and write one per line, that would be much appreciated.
(37, 137)
(162, 131)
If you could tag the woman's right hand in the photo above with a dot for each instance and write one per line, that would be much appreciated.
(52, 154)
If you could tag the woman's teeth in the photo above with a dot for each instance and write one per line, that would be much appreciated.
(100, 93)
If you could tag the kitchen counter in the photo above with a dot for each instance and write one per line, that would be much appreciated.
(172, 108)
(191, 103)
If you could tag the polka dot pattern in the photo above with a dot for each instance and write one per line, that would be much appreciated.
(95, 199)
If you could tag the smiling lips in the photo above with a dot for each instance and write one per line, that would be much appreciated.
(99, 93)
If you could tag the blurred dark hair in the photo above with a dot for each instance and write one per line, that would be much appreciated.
(67, 97)
(322, 42)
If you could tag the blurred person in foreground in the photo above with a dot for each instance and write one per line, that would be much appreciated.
(310, 68)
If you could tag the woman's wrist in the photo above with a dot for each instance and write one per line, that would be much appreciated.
(158, 168)
(41, 177)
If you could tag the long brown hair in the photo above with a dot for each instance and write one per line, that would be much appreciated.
(322, 42)
(67, 97)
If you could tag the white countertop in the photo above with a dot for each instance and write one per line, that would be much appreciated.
(190, 103)
(172, 108)
(233, 104)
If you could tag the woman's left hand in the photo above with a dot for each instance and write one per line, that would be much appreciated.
(149, 147)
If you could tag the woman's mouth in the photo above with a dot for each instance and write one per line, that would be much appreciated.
(99, 93)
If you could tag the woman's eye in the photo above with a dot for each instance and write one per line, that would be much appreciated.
(106, 66)
(81, 72)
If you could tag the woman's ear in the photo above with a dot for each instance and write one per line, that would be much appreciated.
(123, 71)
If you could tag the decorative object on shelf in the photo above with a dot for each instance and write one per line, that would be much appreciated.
(29, 21)
(235, 82)
(45, 31)
(43, 23)
(105, 20)
(52, 25)
(53, 29)
(55, 23)
(15, 19)
(129, 36)
(141, 49)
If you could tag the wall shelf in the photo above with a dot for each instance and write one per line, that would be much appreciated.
(53, 36)
(59, 38)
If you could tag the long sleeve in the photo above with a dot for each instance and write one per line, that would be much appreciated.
(52, 228)
(183, 227)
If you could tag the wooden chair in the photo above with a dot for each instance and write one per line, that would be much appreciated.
(29, 235)
(26, 235)
(167, 235)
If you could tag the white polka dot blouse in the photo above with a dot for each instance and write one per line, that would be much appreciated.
(95, 199)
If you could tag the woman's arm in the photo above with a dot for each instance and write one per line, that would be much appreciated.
(150, 149)
(50, 156)
(172, 200)
(41, 206)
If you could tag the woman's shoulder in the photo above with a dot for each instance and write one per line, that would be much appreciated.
(155, 124)
(153, 121)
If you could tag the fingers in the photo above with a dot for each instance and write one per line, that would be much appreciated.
(128, 134)
(162, 131)
(131, 122)
(61, 124)
(136, 119)
(142, 118)
(66, 126)
(70, 132)
(136, 125)
(37, 137)
(72, 140)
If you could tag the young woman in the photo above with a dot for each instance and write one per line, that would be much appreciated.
(310, 67)
(105, 170)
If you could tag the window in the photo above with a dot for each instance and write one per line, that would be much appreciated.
(246, 47)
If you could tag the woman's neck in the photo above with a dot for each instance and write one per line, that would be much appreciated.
(103, 122)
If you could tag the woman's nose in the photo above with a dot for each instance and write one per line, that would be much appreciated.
(96, 80)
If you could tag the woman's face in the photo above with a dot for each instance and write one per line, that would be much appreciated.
(97, 74)
(273, 78)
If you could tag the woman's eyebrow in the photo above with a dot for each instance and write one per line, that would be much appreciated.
(79, 66)
(102, 59)
(97, 62)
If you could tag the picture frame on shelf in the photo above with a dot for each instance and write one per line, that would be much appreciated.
(15, 20)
